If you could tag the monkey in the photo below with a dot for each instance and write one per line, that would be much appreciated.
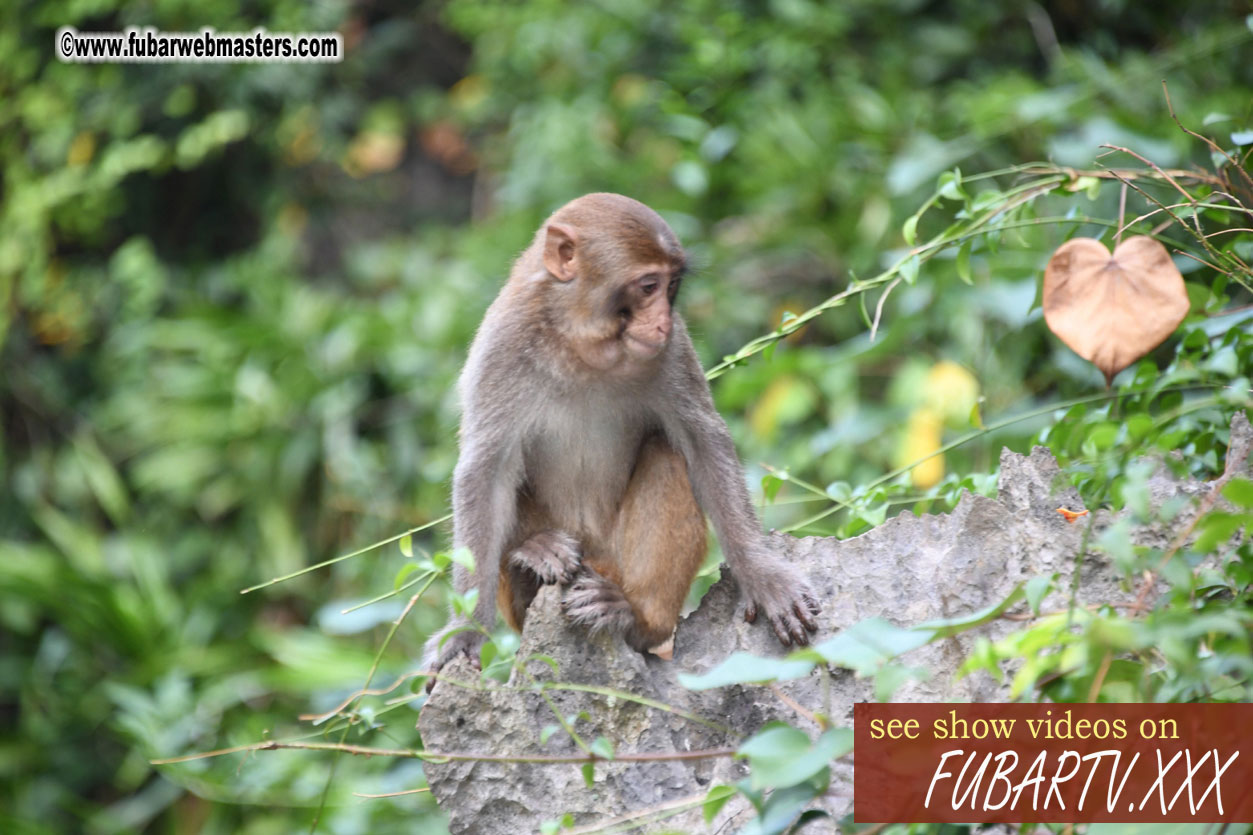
(590, 448)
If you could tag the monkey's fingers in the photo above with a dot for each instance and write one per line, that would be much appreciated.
(806, 610)
(464, 646)
(795, 629)
(781, 630)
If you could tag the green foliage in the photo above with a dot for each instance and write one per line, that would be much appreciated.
(234, 298)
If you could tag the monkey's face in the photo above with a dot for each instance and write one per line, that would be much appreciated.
(644, 313)
(618, 279)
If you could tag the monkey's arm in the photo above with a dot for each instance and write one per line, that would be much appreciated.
(771, 586)
(484, 496)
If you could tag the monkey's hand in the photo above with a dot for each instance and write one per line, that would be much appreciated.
(781, 593)
(463, 643)
(552, 556)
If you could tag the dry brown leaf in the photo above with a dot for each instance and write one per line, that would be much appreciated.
(1112, 310)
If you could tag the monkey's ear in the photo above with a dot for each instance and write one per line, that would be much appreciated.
(559, 251)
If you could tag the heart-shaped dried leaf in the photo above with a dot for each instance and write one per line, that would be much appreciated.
(1112, 310)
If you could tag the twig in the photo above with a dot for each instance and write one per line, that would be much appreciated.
(798, 707)
(355, 553)
(391, 794)
(1099, 679)
(319, 718)
(662, 810)
(440, 756)
(1186, 195)
(1122, 213)
(1213, 147)
(878, 308)
(1207, 504)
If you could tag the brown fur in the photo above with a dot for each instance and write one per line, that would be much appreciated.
(590, 447)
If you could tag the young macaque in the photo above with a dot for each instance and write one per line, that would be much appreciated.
(590, 445)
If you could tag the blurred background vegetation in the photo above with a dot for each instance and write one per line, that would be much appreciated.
(234, 299)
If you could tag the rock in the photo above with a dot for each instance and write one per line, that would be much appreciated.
(908, 570)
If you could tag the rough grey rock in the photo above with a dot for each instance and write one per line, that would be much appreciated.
(908, 570)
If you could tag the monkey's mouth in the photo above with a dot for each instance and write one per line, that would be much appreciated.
(643, 348)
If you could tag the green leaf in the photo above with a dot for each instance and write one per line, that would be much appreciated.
(1239, 491)
(406, 545)
(463, 604)
(782, 811)
(865, 312)
(910, 230)
(986, 199)
(744, 668)
(487, 653)
(547, 733)
(1244, 137)
(840, 491)
(781, 755)
(463, 557)
(588, 770)
(551, 827)
(873, 514)
(951, 185)
(890, 677)
(963, 262)
(867, 644)
(403, 574)
(602, 747)
(770, 484)
(1035, 590)
(715, 799)
(1216, 528)
(1116, 541)
(909, 269)
(947, 627)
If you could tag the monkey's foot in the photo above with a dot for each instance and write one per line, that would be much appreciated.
(789, 605)
(462, 643)
(599, 604)
(552, 556)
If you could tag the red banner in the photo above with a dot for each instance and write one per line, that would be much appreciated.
(1052, 763)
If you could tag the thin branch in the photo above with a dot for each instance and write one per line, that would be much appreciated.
(1099, 679)
(878, 308)
(319, 718)
(445, 756)
(392, 794)
(798, 707)
(636, 818)
(355, 553)
(1213, 146)
(1122, 213)
(1186, 194)
(1207, 504)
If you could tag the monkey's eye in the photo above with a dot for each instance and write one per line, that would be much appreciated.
(648, 286)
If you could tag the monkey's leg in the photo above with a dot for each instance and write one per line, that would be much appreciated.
(539, 555)
(657, 546)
